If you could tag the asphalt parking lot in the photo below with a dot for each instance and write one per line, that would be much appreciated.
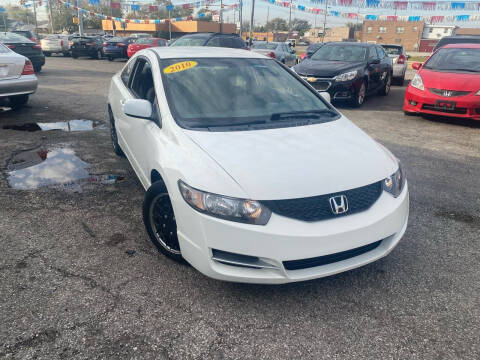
(79, 277)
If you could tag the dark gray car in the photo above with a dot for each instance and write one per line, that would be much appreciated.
(277, 50)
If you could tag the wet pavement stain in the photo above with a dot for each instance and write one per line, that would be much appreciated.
(56, 167)
(68, 126)
(4, 109)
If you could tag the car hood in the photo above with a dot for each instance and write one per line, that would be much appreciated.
(323, 68)
(299, 161)
(450, 81)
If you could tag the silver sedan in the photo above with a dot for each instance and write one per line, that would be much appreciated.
(17, 77)
(277, 50)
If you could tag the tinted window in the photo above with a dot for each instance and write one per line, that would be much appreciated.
(142, 81)
(348, 53)
(455, 60)
(372, 55)
(126, 72)
(216, 41)
(190, 41)
(82, 39)
(237, 43)
(264, 45)
(228, 42)
(241, 91)
(144, 41)
(380, 52)
(11, 37)
(393, 50)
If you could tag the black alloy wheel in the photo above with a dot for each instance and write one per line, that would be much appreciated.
(159, 220)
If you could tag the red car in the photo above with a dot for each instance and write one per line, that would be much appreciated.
(448, 84)
(144, 43)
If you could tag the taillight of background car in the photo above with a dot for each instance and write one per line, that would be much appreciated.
(121, 45)
(36, 46)
(303, 56)
(401, 59)
(28, 68)
(271, 54)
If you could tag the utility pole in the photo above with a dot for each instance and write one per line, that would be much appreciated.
(80, 19)
(51, 15)
(325, 21)
(220, 16)
(240, 17)
(114, 26)
(35, 14)
(290, 22)
(266, 25)
(251, 23)
(169, 26)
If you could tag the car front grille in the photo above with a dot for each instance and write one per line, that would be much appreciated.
(318, 208)
(448, 93)
(320, 84)
(329, 259)
(456, 110)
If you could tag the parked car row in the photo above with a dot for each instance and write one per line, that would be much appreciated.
(23, 46)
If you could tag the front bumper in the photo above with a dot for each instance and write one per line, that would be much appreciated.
(115, 53)
(418, 101)
(25, 84)
(343, 90)
(284, 239)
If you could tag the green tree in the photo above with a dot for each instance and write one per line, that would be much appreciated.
(301, 26)
(277, 24)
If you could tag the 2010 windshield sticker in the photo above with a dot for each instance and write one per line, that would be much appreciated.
(180, 66)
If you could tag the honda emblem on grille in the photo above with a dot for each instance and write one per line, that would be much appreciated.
(339, 204)
(447, 93)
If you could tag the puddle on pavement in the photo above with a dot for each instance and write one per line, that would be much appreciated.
(69, 126)
(56, 167)
(4, 109)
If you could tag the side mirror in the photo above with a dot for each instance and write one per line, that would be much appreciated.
(138, 108)
(408, 57)
(416, 66)
(326, 96)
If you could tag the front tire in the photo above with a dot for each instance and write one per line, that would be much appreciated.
(113, 135)
(18, 101)
(360, 95)
(48, 54)
(159, 220)
(75, 56)
(110, 58)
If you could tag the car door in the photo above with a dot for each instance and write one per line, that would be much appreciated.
(385, 65)
(292, 57)
(137, 134)
(374, 69)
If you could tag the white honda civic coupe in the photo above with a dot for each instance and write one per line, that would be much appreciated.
(250, 174)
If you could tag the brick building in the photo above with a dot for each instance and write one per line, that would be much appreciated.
(331, 34)
(467, 31)
(406, 33)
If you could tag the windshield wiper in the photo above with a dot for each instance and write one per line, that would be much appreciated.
(316, 114)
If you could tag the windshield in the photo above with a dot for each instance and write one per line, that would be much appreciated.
(392, 50)
(264, 45)
(204, 93)
(81, 39)
(190, 41)
(459, 59)
(346, 53)
(11, 37)
(144, 41)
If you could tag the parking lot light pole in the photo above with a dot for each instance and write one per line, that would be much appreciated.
(80, 19)
(240, 18)
(325, 21)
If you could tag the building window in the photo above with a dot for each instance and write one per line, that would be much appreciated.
(369, 30)
(445, 30)
(382, 29)
(430, 30)
(415, 29)
(400, 30)
(398, 40)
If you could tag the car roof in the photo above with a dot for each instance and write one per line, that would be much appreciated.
(207, 34)
(188, 52)
(349, 43)
(462, 45)
(392, 45)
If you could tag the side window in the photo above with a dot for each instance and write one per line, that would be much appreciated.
(216, 41)
(142, 82)
(126, 72)
(379, 53)
(372, 54)
(238, 43)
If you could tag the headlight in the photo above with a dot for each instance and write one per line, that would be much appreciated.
(417, 82)
(224, 207)
(346, 76)
(477, 93)
(394, 184)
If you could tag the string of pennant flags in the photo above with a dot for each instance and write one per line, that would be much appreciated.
(392, 17)
(147, 21)
(404, 4)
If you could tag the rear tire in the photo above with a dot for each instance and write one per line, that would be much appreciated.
(48, 54)
(37, 68)
(66, 54)
(159, 220)
(113, 135)
(385, 90)
(18, 101)
(75, 56)
(110, 58)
